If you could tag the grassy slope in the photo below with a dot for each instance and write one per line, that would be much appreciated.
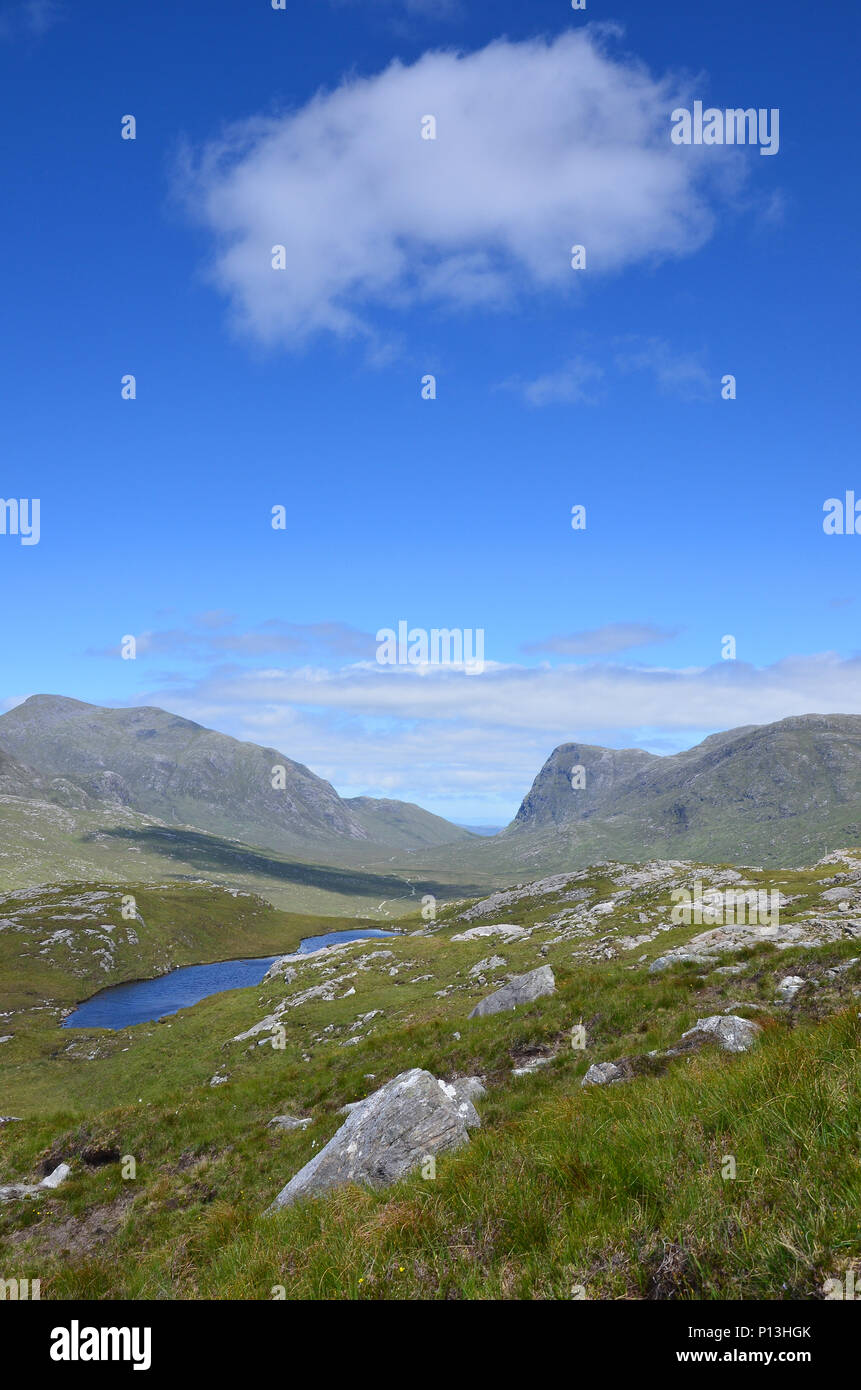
(791, 841)
(40, 843)
(618, 1189)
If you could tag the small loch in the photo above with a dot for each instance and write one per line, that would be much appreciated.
(143, 1001)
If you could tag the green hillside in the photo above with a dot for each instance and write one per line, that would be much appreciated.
(617, 1190)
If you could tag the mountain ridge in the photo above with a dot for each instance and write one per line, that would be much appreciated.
(176, 770)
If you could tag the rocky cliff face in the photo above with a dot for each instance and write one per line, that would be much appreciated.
(803, 765)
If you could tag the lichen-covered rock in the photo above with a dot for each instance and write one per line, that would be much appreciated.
(504, 929)
(385, 1136)
(678, 958)
(489, 963)
(790, 985)
(469, 1088)
(523, 989)
(732, 1033)
(602, 1074)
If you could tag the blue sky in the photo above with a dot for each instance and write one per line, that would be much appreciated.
(554, 387)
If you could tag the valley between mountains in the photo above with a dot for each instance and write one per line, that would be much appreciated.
(549, 1085)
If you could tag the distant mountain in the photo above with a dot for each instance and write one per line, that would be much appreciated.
(772, 792)
(88, 792)
(163, 766)
(484, 830)
(402, 825)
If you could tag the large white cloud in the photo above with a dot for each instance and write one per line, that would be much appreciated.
(561, 700)
(540, 145)
(443, 738)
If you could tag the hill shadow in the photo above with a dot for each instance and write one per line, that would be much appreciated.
(210, 853)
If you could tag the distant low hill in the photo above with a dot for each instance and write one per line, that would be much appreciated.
(403, 825)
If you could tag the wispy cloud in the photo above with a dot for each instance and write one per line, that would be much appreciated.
(423, 9)
(29, 18)
(602, 641)
(574, 384)
(588, 381)
(375, 220)
(213, 635)
(678, 374)
(439, 736)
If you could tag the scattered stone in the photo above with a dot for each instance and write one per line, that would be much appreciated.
(288, 1122)
(10, 1119)
(790, 985)
(385, 1136)
(491, 963)
(841, 969)
(217, 1080)
(732, 1033)
(280, 969)
(677, 958)
(58, 1176)
(506, 931)
(522, 989)
(27, 1189)
(531, 1066)
(602, 1074)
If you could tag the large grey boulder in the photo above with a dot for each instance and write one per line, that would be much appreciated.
(732, 1033)
(468, 1088)
(523, 989)
(387, 1135)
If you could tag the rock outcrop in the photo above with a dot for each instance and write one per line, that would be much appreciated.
(732, 1033)
(411, 1118)
(507, 931)
(602, 1074)
(35, 1189)
(523, 989)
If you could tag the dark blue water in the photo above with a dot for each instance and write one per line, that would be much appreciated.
(142, 1001)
